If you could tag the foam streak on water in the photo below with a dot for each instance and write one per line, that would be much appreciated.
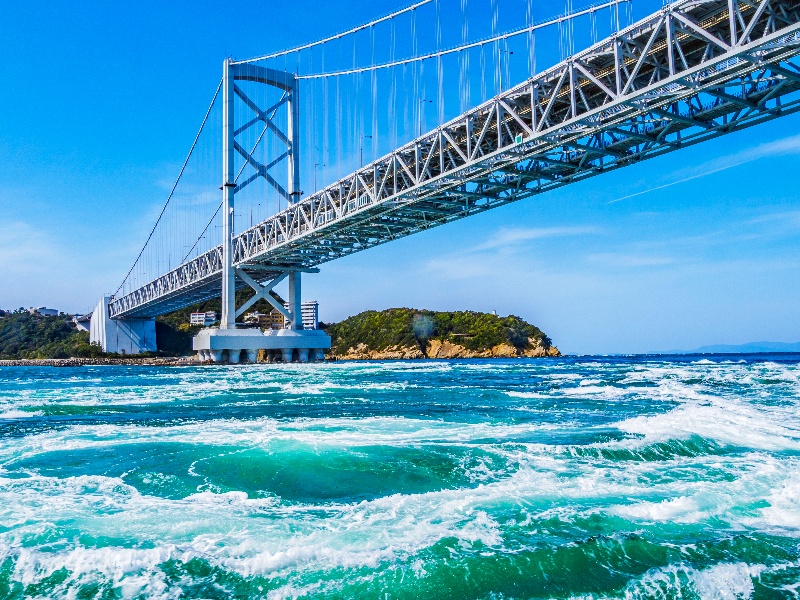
(635, 477)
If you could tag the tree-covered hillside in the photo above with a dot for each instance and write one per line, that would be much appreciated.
(405, 327)
(23, 335)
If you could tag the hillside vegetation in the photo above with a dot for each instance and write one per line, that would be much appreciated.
(23, 335)
(464, 333)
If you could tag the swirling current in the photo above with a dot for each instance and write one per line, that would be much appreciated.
(589, 477)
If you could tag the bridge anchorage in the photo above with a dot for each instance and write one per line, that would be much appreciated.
(690, 72)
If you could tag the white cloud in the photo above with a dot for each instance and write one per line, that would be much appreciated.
(39, 268)
(785, 219)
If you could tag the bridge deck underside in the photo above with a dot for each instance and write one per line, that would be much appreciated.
(682, 76)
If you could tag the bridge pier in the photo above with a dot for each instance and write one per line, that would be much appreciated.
(284, 344)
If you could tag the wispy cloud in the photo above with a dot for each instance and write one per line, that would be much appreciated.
(514, 236)
(40, 267)
(614, 259)
(781, 147)
(790, 218)
(24, 249)
(498, 250)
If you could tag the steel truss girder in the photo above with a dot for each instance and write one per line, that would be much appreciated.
(681, 76)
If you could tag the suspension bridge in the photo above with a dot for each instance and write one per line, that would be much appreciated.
(682, 74)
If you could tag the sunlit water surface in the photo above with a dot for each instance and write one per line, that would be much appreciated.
(632, 477)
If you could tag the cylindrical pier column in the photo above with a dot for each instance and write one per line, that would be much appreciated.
(295, 301)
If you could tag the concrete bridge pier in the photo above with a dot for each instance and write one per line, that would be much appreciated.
(234, 345)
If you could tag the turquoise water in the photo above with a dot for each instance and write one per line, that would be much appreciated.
(631, 477)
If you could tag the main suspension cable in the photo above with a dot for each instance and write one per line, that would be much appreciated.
(175, 185)
(494, 38)
(336, 36)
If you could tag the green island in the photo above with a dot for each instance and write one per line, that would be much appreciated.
(410, 333)
(395, 333)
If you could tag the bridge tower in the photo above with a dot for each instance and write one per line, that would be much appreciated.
(228, 342)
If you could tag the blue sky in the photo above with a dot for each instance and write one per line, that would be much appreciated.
(101, 100)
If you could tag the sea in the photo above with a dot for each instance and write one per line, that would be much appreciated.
(579, 477)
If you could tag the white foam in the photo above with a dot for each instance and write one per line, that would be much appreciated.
(727, 581)
(275, 538)
(731, 423)
(784, 502)
(536, 395)
(20, 414)
(674, 510)
(283, 538)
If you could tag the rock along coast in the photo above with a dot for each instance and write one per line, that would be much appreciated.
(447, 350)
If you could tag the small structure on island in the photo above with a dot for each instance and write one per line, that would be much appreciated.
(310, 313)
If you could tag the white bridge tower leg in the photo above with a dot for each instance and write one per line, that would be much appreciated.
(228, 318)
(295, 301)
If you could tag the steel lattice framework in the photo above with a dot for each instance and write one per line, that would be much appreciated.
(693, 71)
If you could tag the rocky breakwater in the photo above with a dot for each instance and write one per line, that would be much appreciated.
(84, 362)
(402, 333)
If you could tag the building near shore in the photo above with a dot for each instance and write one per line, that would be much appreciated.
(276, 320)
(205, 319)
(43, 311)
(270, 320)
(310, 313)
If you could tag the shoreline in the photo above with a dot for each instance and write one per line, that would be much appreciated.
(190, 361)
